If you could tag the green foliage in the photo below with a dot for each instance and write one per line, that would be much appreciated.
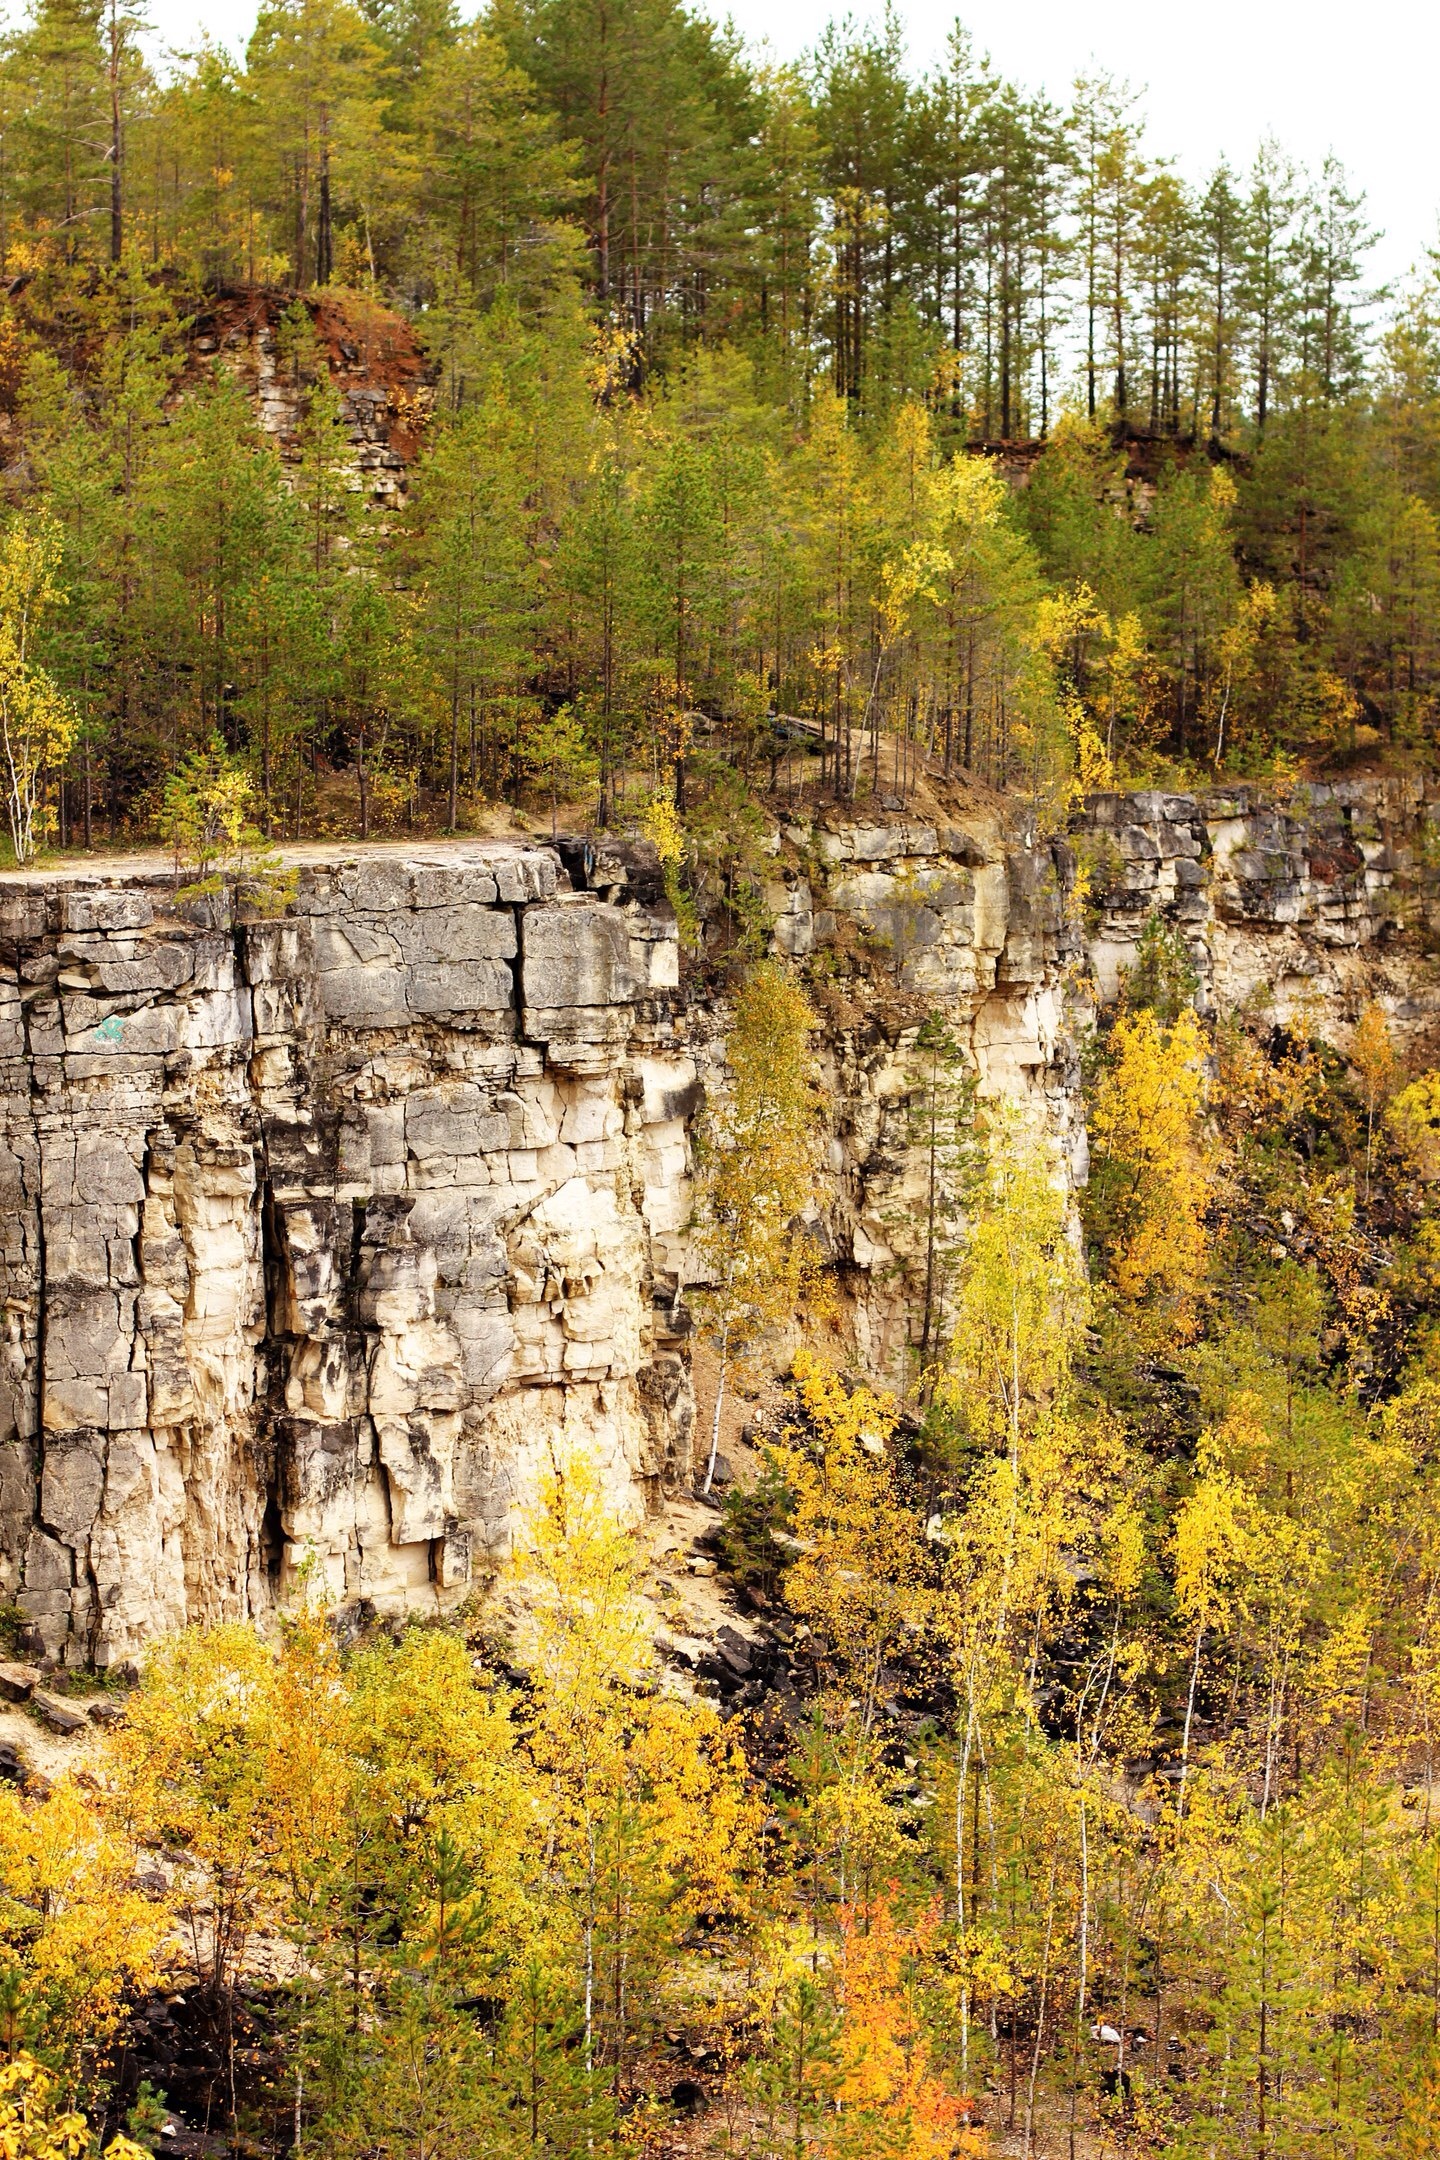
(712, 346)
(944, 1128)
(1161, 978)
(147, 2115)
(756, 1178)
(725, 835)
(205, 818)
(753, 1513)
(559, 754)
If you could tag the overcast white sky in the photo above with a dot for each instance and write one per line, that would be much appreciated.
(1361, 80)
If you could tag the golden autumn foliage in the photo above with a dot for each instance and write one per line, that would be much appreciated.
(196, 1769)
(1372, 1054)
(1072, 1750)
(1414, 1118)
(1082, 1709)
(390, 1813)
(647, 1812)
(38, 722)
(1150, 1181)
(890, 2097)
(1022, 1295)
(756, 1178)
(859, 1576)
(36, 2125)
(77, 1940)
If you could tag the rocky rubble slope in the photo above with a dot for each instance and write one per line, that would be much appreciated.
(320, 1234)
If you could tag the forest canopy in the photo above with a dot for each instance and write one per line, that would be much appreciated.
(825, 417)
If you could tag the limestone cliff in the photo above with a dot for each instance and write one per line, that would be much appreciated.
(320, 1232)
(316, 1231)
(1295, 909)
(1299, 907)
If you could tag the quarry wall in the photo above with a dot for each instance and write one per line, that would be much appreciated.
(321, 1235)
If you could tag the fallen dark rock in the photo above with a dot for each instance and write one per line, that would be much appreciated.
(734, 1649)
(185, 2144)
(62, 1717)
(17, 1682)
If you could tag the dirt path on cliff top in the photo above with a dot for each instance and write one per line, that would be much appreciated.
(928, 797)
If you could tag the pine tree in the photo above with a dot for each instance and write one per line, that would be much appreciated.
(659, 106)
(1268, 293)
(314, 66)
(494, 177)
(1220, 233)
(61, 133)
(469, 547)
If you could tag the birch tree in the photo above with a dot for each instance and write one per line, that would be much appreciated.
(757, 1177)
(37, 721)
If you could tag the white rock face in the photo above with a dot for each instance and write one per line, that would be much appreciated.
(320, 1234)
(971, 923)
(1299, 909)
(321, 1237)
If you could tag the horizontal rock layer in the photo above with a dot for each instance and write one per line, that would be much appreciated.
(1296, 909)
(1299, 906)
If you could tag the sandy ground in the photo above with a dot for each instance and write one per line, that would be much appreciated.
(46, 1753)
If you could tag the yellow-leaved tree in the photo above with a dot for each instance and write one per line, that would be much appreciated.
(1413, 1117)
(1022, 1293)
(1377, 1068)
(37, 721)
(860, 1574)
(1212, 1543)
(207, 818)
(190, 1767)
(1020, 1308)
(36, 2124)
(860, 1578)
(648, 1810)
(77, 1939)
(756, 1178)
(887, 2088)
(372, 1809)
(1150, 1182)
